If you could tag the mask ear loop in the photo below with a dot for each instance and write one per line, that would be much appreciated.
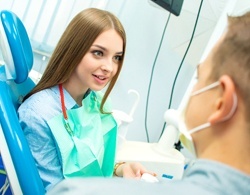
(65, 116)
(208, 124)
(211, 86)
(233, 109)
(203, 126)
(229, 115)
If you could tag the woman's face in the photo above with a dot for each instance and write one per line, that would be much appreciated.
(100, 63)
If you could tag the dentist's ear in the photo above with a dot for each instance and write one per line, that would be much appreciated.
(227, 103)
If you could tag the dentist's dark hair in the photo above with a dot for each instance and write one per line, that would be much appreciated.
(74, 43)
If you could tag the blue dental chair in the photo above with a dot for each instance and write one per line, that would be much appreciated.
(14, 84)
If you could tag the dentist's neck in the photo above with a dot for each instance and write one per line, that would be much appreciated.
(229, 144)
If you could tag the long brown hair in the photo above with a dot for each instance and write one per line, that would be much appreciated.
(74, 43)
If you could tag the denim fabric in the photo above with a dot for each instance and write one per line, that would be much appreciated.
(33, 116)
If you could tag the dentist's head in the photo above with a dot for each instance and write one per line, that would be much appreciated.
(215, 118)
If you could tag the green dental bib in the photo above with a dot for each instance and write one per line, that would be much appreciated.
(90, 150)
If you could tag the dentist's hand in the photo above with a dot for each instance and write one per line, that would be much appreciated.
(131, 170)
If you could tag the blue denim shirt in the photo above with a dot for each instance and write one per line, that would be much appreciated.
(33, 116)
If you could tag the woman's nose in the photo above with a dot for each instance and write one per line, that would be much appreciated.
(107, 65)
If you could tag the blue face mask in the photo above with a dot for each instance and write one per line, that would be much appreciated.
(185, 136)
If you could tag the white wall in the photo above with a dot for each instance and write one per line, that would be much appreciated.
(45, 21)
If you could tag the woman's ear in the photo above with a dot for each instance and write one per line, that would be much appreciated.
(226, 103)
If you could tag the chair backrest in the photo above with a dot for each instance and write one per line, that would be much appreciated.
(14, 84)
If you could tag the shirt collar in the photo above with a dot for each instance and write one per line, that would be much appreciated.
(68, 100)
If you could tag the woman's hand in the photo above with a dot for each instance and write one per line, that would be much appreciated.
(131, 170)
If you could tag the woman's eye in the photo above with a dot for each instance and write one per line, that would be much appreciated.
(98, 53)
(118, 58)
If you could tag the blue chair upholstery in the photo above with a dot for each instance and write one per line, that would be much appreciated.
(19, 45)
(14, 84)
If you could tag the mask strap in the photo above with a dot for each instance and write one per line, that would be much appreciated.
(230, 114)
(203, 126)
(217, 83)
(232, 111)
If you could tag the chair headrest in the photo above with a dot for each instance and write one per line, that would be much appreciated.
(15, 46)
